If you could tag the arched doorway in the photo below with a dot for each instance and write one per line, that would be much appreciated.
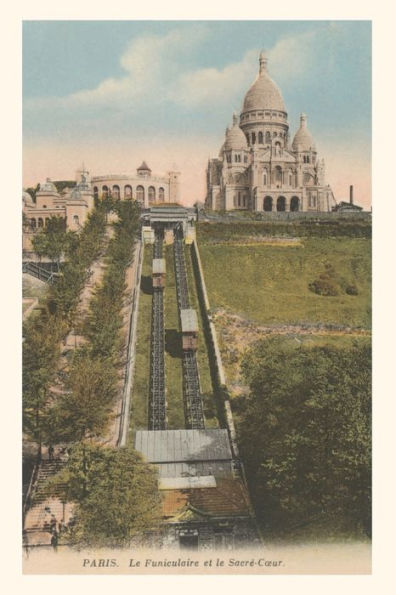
(151, 195)
(33, 223)
(140, 194)
(105, 191)
(295, 203)
(128, 191)
(40, 222)
(115, 191)
(161, 194)
(96, 192)
(281, 204)
(267, 203)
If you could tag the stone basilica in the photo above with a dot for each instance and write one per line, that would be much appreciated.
(257, 169)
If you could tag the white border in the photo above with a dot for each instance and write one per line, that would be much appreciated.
(383, 196)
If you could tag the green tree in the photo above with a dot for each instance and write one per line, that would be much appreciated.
(84, 410)
(115, 494)
(305, 434)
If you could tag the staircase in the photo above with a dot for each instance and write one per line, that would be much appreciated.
(42, 508)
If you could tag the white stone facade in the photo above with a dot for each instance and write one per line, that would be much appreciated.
(257, 169)
(146, 188)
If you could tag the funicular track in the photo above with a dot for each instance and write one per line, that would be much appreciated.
(157, 404)
(191, 388)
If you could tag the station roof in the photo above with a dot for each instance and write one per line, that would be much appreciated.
(159, 266)
(189, 320)
(167, 446)
(185, 483)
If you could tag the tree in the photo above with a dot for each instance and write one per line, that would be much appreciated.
(115, 494)
(84, 409)
(305, 434)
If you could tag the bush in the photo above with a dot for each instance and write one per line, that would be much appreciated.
(351, 290)
(325, 286)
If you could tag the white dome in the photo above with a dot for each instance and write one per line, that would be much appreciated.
(48, 186)
(264, 94)
(303, 137)
(235, 139)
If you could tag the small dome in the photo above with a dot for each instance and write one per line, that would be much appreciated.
(303, 137)
(264, 93)
(235, 139)
(48, 186)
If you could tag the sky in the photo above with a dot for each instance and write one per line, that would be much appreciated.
(113, 93)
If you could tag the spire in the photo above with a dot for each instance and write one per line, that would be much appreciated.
(303, 121)
(234, 119)
(263, 60)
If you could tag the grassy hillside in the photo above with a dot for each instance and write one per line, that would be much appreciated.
(269, 284)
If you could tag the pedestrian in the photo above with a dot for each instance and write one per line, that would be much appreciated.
(54, 540)
(51, 453)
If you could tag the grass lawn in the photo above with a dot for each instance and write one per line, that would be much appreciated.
(173, 350)
(202, 352)
(141, 380)
(269, 284)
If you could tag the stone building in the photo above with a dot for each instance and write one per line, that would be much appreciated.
(257, 168)
(72, 205)
(144, 187)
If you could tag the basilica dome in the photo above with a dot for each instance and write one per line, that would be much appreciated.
(264, 93)
(303, 137)
(235, 139)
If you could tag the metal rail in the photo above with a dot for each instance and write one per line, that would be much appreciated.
(191, 387)
(157, 405)
(43, 273)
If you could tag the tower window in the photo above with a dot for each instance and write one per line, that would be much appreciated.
(253, 138)
(260, 138)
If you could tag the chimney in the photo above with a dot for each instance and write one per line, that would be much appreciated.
(351, 195)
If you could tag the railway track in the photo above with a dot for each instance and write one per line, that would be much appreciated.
(157, 404)
(191, 387)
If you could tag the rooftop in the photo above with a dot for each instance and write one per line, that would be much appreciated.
(189, 321)
(159, 266)
(167, 446)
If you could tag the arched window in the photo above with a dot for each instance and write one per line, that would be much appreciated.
(151, 194)
(294, 203)
(267, 206)
(253, 138)
(33, 223)
(307, 158)
(239, 199)
(96, 192)
(140, 194)
(267, 137)
(281, 204)
(161, 194)
(248, 138)
(290, 177)
(105, 192)
(278, 174)
(115, 191)
(260, 138)
(40, 222)
(76, 220)
(128, 191)
(265, 177)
